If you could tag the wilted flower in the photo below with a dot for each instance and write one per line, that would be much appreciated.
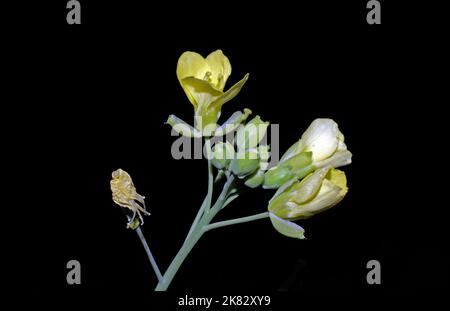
(203, 81)
(124, 194)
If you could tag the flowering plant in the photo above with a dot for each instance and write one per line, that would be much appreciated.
(306, 178)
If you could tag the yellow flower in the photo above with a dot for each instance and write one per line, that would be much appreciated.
(295, 200)
(315, 193)
(124, 194)
(203, 81)
(321, 145)
(326, 143)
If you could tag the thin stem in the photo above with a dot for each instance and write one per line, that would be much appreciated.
(210, 172)
(149, 254)
(198, 217)
(230, 199)
(178, 260)
(196, 234)
(235, 221)
(206, 205)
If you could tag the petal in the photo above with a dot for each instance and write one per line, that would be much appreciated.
(340, 158)
(230, 94)
(202, 91)
(327, 197)
(191, 64)
(289, 153)
(321, 138)
(338, 178)
(309, 186)
(333, 190)
(287, 228)
(220, 69)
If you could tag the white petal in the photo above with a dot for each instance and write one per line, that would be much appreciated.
(321, 138)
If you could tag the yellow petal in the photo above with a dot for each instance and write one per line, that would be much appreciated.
(338, 178)
(230, 94)
(309, 186)
(327, 197)
(202, 91)
(333, 190)
(191, 64)
(220, 69)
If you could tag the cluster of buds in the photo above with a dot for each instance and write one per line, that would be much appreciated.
(246, 157)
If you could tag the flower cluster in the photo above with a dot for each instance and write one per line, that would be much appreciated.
(306, 179)
(306, 176)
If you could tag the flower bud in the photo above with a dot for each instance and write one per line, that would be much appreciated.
(277, 176)
(255, 180)
(315, 193)
(251, 134)
(245, 163)
(222, 154)
(298, 166)
(326, 143)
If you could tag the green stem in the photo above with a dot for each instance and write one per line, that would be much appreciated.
(149, 254)
(207, 201)
(195, 235)
(178, 260)
(235, 221)
(210, 173)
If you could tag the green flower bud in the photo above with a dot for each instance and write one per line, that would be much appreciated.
(222, 154)
(299, 164)
(245, 163)
(317, 192)
(255, 180)
(251, 134)
(277, 176)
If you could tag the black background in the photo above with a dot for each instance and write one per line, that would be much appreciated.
(94, 97)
